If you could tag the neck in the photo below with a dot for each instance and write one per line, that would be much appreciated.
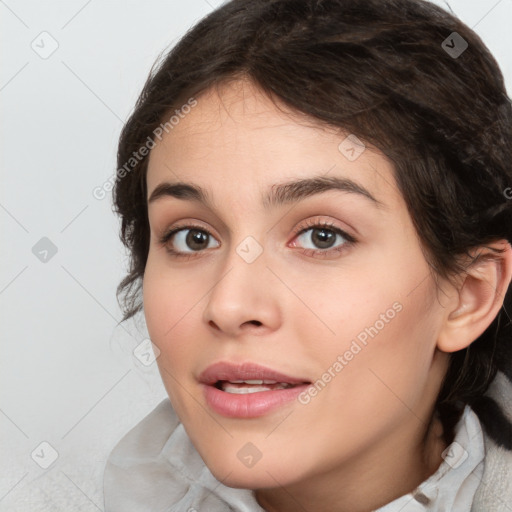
(390, 468)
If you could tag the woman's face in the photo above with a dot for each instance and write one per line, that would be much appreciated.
(349, 307)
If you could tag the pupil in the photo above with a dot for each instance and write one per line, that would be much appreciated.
(195, 236)
(325, 239)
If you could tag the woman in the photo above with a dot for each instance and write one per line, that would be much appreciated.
(314, 196)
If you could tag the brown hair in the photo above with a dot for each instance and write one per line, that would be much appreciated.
(391, 72)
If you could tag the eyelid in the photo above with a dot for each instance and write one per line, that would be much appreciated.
(303, 227)
(316, 223)
(181, 227)
(310, 223)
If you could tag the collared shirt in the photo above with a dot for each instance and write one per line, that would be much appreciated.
(453, 486)
(155, 467)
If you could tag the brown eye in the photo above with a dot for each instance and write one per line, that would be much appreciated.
(325, 239)
(321, 237)
(196, 239)
(187, 240)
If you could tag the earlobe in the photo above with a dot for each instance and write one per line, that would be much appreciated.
(479, 297)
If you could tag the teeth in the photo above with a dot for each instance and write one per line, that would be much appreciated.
(256, 381)
(242, 390)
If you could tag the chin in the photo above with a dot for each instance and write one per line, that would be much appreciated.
(245, 479)
(264, 474)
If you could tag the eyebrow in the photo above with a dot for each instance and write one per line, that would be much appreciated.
(279, 194)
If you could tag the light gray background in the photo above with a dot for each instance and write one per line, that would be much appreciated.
(68, 375)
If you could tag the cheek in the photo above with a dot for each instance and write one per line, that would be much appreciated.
(385, 324)
(170, 309)
(168, 297)
(386, 359)
(172, 303)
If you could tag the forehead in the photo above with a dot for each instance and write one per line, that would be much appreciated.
(236, 137)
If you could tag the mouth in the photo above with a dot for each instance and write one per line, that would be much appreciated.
(243, 387)
(224, 374)
(248, 390)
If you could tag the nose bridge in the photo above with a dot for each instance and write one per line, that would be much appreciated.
(241, 294)
(249, 233)
(245, 266)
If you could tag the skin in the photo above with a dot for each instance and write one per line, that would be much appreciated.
(367, 438)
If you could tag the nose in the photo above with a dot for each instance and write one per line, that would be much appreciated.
(244, 299)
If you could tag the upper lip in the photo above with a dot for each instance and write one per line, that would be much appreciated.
(224, 370)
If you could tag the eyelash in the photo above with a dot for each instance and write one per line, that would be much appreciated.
(349, 240)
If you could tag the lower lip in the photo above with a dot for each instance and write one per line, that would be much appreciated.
(250, 405)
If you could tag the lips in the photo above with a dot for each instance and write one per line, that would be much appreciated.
(248, 390)
(250, 373)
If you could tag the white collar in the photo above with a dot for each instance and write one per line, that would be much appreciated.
(453, 486)
(156, 467)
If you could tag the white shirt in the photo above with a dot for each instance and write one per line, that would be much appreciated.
(453, 486)
(155, 467)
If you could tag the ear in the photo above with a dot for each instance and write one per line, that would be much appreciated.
(478, 298)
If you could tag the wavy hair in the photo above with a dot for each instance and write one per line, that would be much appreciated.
(393, 73)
